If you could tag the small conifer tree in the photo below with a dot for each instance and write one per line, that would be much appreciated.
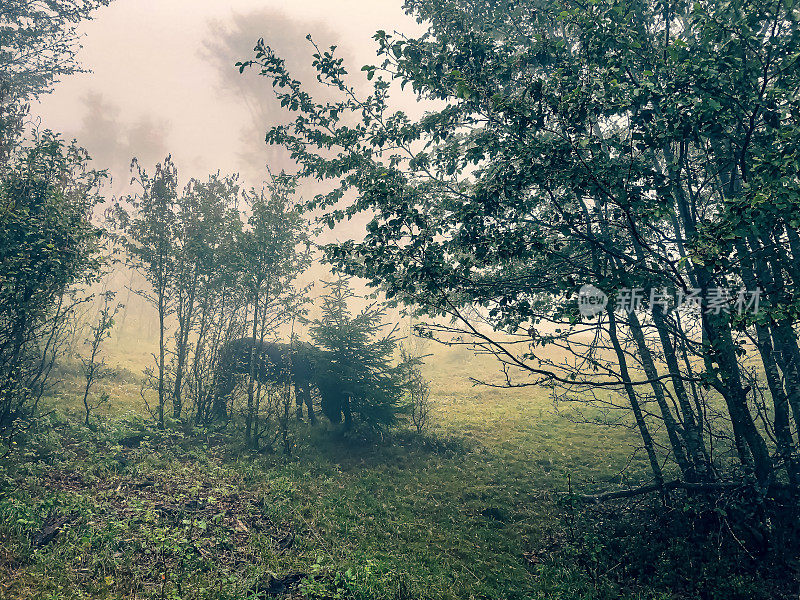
(371, 387)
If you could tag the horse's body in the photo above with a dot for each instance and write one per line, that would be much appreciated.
(300, 364)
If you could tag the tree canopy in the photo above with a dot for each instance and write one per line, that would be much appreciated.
(629, 144)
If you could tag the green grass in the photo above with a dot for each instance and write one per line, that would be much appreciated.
(455, 514)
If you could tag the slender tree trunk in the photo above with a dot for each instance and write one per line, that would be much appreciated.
(692, 429)
(185, 326)
(672, 427)
(252, 378)
(644, 432)
(786, 343)
(754, 276)
(699, 402)
(750, 446)
(793, 262)
(161, 352)
(198, 354)
(722, 346)
(89, 380)
(772, 282)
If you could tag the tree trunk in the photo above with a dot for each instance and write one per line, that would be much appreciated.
(252, 378)
(672, 427)
(185, 325)
(755, 277)
(161, 311)
(693, 432)
(647, 439)
(722, 346)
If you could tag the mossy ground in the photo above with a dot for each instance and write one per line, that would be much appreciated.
(472, 509)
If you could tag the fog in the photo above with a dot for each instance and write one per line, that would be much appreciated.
(162, 80)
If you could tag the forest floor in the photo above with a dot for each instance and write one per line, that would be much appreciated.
(476, 508)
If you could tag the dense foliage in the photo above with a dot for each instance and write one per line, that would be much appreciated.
(628, 144)
(48, 245)
(215, 269)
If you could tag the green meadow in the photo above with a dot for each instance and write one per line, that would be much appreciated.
(477, 507)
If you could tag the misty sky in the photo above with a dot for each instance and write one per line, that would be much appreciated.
(163, 79)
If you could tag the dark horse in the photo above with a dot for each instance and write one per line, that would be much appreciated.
(300, 364)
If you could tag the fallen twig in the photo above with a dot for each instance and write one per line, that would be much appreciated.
(666, 487)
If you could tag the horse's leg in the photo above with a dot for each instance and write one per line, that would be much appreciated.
(312, 418)
(223, 391)
(348, 417)
(298, 400)
(330, 407)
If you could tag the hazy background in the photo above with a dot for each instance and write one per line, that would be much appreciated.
(163, 79)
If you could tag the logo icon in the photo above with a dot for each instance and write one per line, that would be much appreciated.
(591, 301)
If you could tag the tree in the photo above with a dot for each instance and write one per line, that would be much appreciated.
(273, 249)
(48, 244)
(362, 353)
(148, 236)
(418, 389)
(93, 365)
(211, 224)
(49, 247)
(631, 144)
(38, 46)
(204, 224)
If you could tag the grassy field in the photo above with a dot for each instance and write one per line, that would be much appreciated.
(473, 509)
